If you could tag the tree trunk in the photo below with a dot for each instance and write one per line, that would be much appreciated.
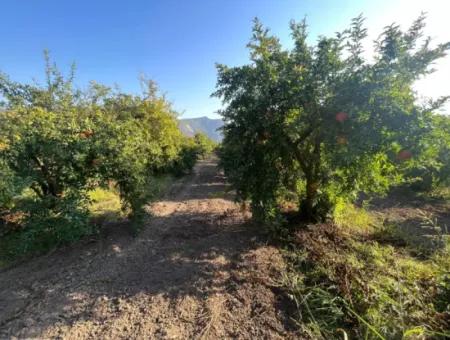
(307, 206)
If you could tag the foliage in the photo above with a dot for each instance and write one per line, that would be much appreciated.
(431, 169)
(10, 186)
(51, 221)
(204, 144)
(58, 143)
(186, 159)
(324, 116)
(104, 203)
(193, 148)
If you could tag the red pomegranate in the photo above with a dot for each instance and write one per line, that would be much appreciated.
(404, 155)
(341, 116)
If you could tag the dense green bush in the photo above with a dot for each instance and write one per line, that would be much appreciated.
(205, 146)
(10, 186)
(186, 160)
(193, 148)
(431, 169)
(323, 122)
(58, 143)
(50, 221)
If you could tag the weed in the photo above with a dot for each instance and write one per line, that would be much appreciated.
(347, 280)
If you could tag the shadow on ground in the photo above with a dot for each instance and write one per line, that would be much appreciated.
(198, 256)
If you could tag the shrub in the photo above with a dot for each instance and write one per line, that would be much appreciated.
(431, 169)
(51, 222)
(204, 145)
(57, 144)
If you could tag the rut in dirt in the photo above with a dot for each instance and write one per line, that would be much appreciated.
(199, 270)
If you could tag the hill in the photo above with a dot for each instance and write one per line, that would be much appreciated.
(208, 126)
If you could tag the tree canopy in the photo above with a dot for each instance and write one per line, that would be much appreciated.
(58, 142)
(324, 122)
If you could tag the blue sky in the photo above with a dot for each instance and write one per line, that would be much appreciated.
(177, 43)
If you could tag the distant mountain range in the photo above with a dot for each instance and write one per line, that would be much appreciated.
(190, 126)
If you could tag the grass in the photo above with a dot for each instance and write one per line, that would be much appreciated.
(105, 203)
(345, 279)
(441, 192)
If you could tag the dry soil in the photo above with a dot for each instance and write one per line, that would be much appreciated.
(199, 269)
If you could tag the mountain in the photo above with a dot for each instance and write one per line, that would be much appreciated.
(208, 126)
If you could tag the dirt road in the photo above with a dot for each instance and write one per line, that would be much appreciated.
(197, 270)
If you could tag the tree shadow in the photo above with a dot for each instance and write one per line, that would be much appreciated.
(413, 220)
(405, 197)
(422, 237)
(209, 183)
(196, 246)
(182, 254)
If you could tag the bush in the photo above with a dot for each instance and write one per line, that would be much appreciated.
(10, 186)
(430, 170)
(57, 144)
(52, 222)
(186, 159)
(204, 145)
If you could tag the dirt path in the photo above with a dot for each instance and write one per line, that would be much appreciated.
(196, 271)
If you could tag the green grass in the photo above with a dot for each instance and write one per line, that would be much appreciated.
(344, 278)
(105, 203)
(441, 193)
(352, 218)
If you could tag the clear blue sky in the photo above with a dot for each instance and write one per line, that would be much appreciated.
(176, 43)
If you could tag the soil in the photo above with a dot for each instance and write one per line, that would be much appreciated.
(199, 269)
(422, 219)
